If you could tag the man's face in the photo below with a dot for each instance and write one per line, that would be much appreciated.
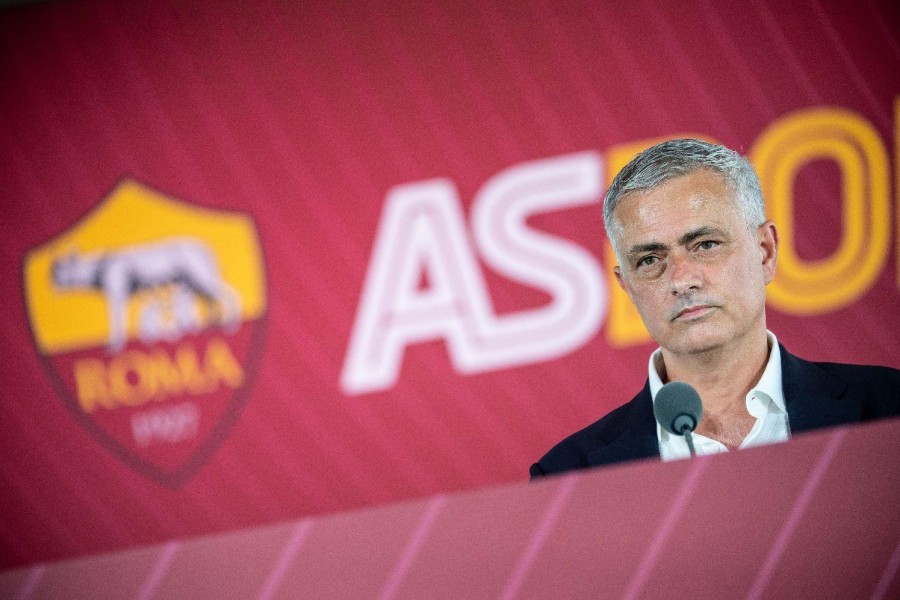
(690, 265)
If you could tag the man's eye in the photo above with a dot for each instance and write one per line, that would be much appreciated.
(707, 244)
(647, 261)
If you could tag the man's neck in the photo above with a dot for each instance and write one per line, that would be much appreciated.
(723, 377)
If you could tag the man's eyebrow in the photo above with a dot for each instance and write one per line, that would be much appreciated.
(684, 240)
(692, 235)
(649, 247)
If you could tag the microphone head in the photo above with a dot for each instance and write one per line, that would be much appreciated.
(677, 407)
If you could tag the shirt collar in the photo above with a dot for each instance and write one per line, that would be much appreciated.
(769, 384)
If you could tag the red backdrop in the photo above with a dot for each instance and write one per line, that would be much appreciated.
(358, 247)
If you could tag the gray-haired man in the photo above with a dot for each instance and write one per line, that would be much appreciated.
(687, 222)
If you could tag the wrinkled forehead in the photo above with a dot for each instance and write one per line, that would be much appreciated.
(697, 199)
(682, 192)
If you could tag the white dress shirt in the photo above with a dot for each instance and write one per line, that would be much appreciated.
(765, 402)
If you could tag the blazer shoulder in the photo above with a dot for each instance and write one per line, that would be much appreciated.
(876, 387)
(821, 394)
(572, 452)
(873, 374)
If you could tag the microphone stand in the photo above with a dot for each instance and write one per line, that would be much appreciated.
(690, 441)
(684, 425)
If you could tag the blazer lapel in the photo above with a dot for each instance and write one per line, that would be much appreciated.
(634, 438)
(812, 396)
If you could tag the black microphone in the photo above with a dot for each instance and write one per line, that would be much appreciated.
(678, 409)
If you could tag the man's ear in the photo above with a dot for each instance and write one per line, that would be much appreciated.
(768, 249)
(617, 271)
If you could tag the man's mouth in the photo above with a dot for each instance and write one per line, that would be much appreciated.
(692, 312)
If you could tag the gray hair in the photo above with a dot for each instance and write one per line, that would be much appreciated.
(674, 158)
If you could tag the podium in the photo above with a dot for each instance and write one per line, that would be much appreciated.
(816, 517)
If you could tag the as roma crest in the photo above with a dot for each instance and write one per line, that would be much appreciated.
(149, 315)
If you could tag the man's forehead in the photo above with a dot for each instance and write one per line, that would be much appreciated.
(701, 200)
(680, 197)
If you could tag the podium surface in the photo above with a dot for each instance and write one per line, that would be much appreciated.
(816, 517)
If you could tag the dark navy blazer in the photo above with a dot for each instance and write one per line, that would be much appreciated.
(816, 395)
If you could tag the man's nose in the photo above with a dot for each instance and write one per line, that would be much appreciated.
(685, 274)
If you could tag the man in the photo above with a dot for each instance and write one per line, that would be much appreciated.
(687, 222)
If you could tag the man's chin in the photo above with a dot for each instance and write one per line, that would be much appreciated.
(694, 342)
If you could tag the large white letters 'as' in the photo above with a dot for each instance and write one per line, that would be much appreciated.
(422, 236)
